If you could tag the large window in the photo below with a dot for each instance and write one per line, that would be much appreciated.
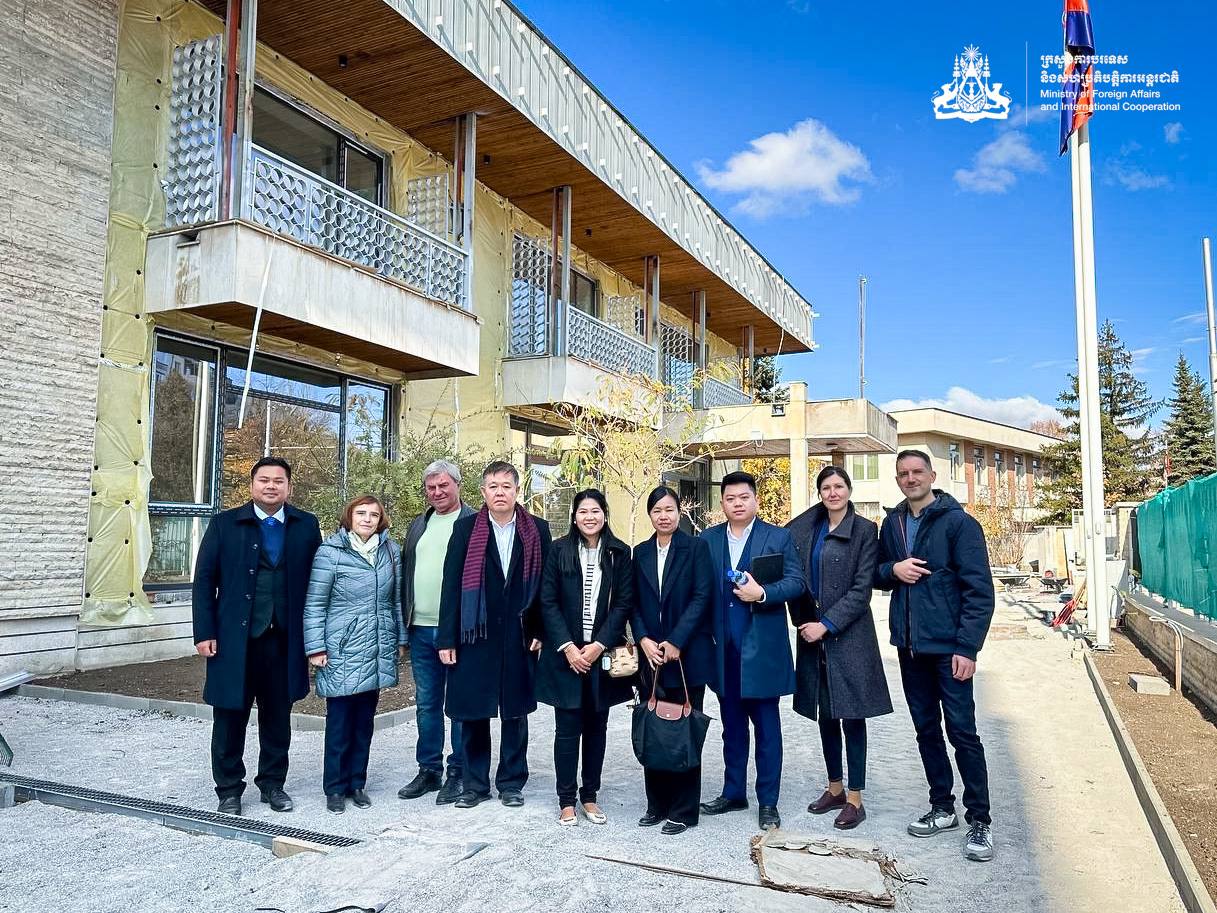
(204, 442)
(292, 134)
(956, 454)
(864, 467)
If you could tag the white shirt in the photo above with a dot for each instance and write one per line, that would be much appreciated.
(279, 515)
(661, 553)
(736, 546)
(589, 561)
(504, 538)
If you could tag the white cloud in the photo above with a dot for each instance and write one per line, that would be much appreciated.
(1193, 339)
(1193, 317)
(996, 167)
(1130, 147)
(784, 172)
(1173, 132)
(1020, 411)
(1057, 363)
(1133, 177)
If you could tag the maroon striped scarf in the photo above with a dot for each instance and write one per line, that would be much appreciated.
(473, 575)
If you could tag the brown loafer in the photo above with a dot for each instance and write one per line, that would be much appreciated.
(827, 802)
(851, 816)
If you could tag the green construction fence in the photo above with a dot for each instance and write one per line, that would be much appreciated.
(1176, 538)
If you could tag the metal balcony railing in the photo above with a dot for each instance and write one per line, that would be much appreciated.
(716, 393)
(291, 201)
(606, 346)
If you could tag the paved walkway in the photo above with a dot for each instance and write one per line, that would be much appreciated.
(1070, 835)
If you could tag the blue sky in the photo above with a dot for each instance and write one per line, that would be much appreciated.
(964, 230)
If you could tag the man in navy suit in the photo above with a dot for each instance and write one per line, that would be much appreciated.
(752, 639)
(249, 584)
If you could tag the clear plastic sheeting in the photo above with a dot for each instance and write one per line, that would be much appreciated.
(1177, 541)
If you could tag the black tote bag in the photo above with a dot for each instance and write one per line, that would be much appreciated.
(669, 736)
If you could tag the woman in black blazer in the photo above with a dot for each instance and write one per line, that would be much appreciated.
(673, 576)
(587, 595)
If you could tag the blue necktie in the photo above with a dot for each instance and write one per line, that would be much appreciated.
(272, 539)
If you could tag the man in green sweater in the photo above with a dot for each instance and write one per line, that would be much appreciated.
(422, 567)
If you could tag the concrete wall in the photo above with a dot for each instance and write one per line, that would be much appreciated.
(57, 81)
(1199, 654)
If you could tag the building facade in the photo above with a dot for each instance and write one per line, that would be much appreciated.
(325, 228)
(977, 461)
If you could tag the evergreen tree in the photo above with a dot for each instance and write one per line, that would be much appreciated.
(767, 386)
(1125, 408)
(1189, 430)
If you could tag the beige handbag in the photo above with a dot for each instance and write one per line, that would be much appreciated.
(623, 661)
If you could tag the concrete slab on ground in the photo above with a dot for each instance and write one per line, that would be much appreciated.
(1070, 835)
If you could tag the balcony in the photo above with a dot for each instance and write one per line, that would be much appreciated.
(302, 258)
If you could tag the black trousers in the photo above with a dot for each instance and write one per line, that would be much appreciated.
(512, 772)
(933, 695)
(588, 726)
(830, 739)
(675, 796)
(266, 683)
(348, 741)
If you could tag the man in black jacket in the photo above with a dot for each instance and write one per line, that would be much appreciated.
(489, 630)
(250, 580)
(932, 556)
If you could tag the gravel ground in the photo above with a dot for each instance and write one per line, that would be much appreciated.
(1070, 835)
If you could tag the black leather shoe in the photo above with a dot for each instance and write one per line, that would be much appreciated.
(426, 781)
(768, 818)
(230, 805)
(722, 804)
(450, 791)
(277, 799)
(672, 828)
(336, 804)
(650, 820)
(469, 799)
(512, 798)
(361, 799)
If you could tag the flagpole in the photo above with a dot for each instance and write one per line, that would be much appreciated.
(1099, 599)
(1206, 247)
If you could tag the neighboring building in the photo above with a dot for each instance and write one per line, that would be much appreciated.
(418, 217)
(977, 461)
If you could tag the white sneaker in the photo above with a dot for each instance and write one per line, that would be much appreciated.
(935, 821)
(979, 846)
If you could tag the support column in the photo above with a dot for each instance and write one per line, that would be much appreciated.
(702, 350)
(650, 270)
(559, 295)
(240, 46)
(464, 163)
(800, 483)
(748, 355)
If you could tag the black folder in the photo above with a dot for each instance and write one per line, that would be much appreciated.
(767, 569)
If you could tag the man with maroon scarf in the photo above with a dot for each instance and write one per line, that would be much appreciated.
(489, 625)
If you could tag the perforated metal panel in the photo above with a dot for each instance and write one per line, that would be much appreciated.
(676, 362)
(606, 346)
(429, 204)
(193, 166)
(715, 393)
(290, 201)
(625, 312)
(530, 279)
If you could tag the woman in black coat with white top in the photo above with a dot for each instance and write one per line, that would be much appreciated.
(839, 674)
(673, 575)
(587, 595)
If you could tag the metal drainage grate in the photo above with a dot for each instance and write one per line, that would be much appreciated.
(180, 817)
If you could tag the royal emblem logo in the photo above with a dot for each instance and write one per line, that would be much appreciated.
(969, 96)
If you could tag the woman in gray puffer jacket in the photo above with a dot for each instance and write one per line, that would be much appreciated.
(353, 633)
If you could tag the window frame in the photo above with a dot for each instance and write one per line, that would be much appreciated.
(344, 137)
(225, 356)
(955, 460)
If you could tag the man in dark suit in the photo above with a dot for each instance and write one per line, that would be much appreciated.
(249, 584)
(752, 638)
(489, 629)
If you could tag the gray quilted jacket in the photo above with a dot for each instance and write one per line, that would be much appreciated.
(352, 613)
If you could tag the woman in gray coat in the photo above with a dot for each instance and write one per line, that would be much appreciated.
(839, 674)
(353, 634)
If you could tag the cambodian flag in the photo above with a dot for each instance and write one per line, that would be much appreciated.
(1077, 102)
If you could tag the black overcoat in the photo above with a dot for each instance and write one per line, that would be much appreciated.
(224, 597)
(857, 685)
(495, 675)
(680, 614)
(562, 616)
